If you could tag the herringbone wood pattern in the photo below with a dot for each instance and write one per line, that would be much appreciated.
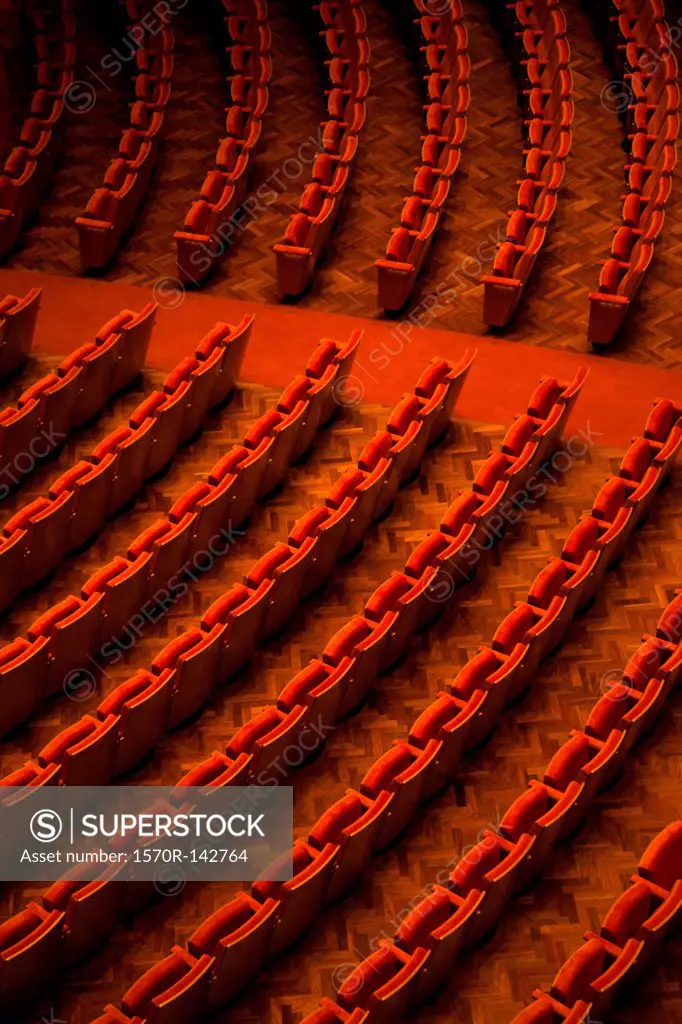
(540, 928)
(554, 310)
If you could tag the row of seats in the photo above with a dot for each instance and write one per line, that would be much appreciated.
(447, 70)
(257, 925)
(30, 165)
(406, 971)
(159, 694)
(309, 230)
(647, 912)
(111, 210)
(652, 124)
(546, 85)
(63, 639)
(200, 243)
(127, 723)
(36, 537)
(17, 326)
(80, 387)
(628, 26)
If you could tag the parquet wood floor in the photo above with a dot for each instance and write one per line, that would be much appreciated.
(554, 311)
(540, 928)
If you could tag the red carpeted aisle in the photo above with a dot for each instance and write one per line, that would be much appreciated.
(617, 395)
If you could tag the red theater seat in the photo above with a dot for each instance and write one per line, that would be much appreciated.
(57, 395)
(301, 897)
(89, 487)
(124, 584)
(112, 1015)
(168, 413)
(237, 936)
(91, 911)
(18, 428)
(99, 361)
(72, 629)
(23, 680)
(143, 705)
(662, 863)
(383, 984)
(190, 662)
(86, 751)
(47, 524)
(13, 550)
(169, 545)
(172, 992)
(132, 447)
(18, 319)
(30, 944)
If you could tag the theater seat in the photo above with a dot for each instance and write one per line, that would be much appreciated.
(86, 751)
(13, 550)
(124, 584)
(30, 946)
(168, 413)
(89, 487)
(112, 1015)
(300, 898)
(72, 629)
(661, 862)
(46, 523)
(18, 319)
(173, 991)
(237, 936)
(143, 705)
(383, 984)
(190, 662)
(23, 680)
(91, 912)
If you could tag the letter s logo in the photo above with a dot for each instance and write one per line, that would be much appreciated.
(46, 826)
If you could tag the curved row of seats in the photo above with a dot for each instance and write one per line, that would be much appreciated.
(64, 639)
(28, 169)
(183, 673)
(647, 913)
(539, 30)
(447, 70)
(308, 231)
(273, 917)
(406, 970)
(324, 691)
(39, 535)
(17, 328)
(76, 392)
(102, 746)
(644, 55)
(111, 209)
(201, 243)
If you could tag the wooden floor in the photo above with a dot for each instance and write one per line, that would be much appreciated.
(554, 310)
(541, 928)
